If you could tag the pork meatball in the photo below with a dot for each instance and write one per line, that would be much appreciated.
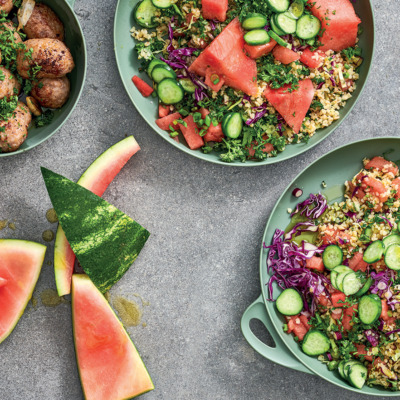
(51, 92)
(15, 129)
(9, 86)
(6, 6)
(44, 23)
(52, 55)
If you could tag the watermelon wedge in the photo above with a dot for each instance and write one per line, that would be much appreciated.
(109, 365)
(104, 239)
(339, 23)
(96, 179)
(226, 57)
(214, 9)
(293, 106)
(259, 51)
(20, 265)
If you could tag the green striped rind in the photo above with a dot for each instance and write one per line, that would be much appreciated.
(105, 240)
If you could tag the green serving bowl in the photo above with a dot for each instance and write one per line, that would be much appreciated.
(334, 169)
(129, 65)
(76, 43)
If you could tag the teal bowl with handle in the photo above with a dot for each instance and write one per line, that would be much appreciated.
(334, 169)
(129, 65)
(75, 41)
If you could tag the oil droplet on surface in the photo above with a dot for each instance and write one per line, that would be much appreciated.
(144, 324)
(3, 224)
(144, 302)
(48, 235)
(12, 226)
(129, 312)
(50, 298)
(51, 216)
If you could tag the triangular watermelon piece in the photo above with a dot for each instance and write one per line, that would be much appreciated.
(293, 106)
(20, 265)
(108, 362)
(96, 179)
(104, 239)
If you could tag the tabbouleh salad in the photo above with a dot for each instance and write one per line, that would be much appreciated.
(338, 267)
(247, 78)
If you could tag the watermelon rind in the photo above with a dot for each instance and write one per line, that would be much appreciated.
(105, 240)
(110, 162)
(94, 353)
(36, 252)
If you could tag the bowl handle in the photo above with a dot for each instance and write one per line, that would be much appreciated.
(71, 3)
(279, 354)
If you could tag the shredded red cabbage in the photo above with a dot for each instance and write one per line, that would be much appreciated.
(389, 223)
(304, 208)
(329, 356)
(320, 85)
(333, 82)
(389, 333)
(372, 337)
(296, 231)
(382, 282)
(338, 335)
(258, 116)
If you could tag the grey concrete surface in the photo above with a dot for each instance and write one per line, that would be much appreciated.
(199, 270)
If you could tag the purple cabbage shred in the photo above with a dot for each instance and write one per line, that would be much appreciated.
(320, 205)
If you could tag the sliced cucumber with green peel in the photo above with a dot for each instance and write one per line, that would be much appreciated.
(188, 85)
(275, 28)
(340, 279)
(278, 6)
(315, 343)
(365, 288)
(286, 24)
(340, 269)
(162, 3)
(296, 9)
(341, 369)
(332, 256)
(161, 72)
(232, 125)
(391, 239)
(374, 252)
(333, 277)
(351, 284)
(369, 309)
(153, 64)
(358, 375)
(170, 91)
(257, 37)
(144, 14)
(279, 40)
(347, 367)
(392, 257)
(308, 27)
(254, 21)
(289, 302)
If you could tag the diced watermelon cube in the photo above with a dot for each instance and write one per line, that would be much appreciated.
(315, 263)
(213, 80)
(214, 134)
(259, 51)
(380, 164)
(145, 89)
(285, 55)
(215, 9)
(356, 263)
(312, 59)
(339, 299)
(204, 112)
(163, 111)
(361, 351)
(191, 133)
(396, 186)
(165, 122)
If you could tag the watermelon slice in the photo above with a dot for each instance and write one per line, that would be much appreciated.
(225, 55)
(104, 239)
(339, 23)
(259, 51)
(164, 123)
(285, 55)
(96, 179)
(108, 362)
(215, 9)
(293, 106)
(20, 265)
(313, 59)
(190, 132)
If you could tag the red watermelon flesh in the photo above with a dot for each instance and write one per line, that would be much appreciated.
(96, 179)
(259, 51)
(225, 55)
(190, 132)
(20, 265)
(109, 365)
(339, 23)
(285, 55)
(293, 106)
(215, 9)
(165, 122)
(313, 59)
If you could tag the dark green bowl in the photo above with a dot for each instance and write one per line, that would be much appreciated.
(75, 41)
(128, 66)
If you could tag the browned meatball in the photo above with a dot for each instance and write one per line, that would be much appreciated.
(44, 23)
(51, 92)
(16, 129)
(9, 86)
(52, 55)
(6, 5)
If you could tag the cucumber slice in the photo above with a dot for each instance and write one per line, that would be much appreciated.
(308, 27)
(333, 277)
(391, 239)
(289, 302)
(332, 256)
(275, 28)
(392, 257)
(358, 375)
(348, 366)
(188, 85)
(144, 14)
(341, 369)
(285, 23)
(232, 125)
(310, 42)
(351, 284)
(366, 236)
(369, 309)
(296, 9)
(340, 279)
(342, 268)
(278, 6)
(254, 21)
(374, 252)
(153, 64)
(315, 343)
(257, 37)
(279, 40)
(365, 288)
(170, 91)
(162, 3)
(161, 72)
